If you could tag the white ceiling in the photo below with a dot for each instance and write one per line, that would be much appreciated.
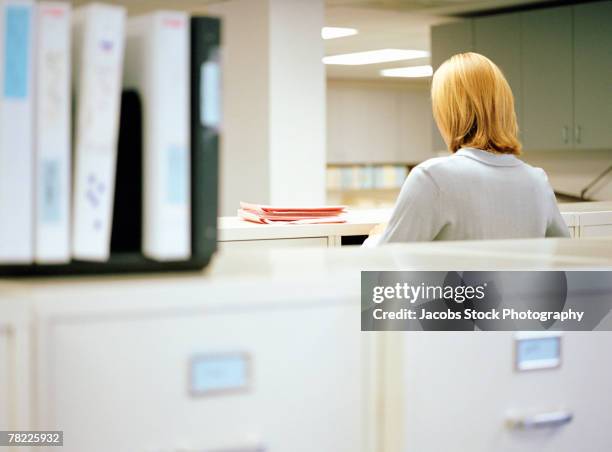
(402, 24)
(378, 29)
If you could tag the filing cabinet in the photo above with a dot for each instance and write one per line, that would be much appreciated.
(15, 371)
(5, 384)
(596, 224)
(463, 391)
(202, 367)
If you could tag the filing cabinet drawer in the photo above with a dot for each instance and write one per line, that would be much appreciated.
(256, 374)
(596, 224)
(5, 383)
(459, 390)
(306, 242)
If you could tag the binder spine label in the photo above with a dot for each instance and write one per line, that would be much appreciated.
(16, 49)
(210, 102)
(50, 192)
(177, 168)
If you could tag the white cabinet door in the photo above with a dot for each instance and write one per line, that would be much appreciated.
(596, 224)
(498, 38)
(5, 384)
(459, 389)
(414, 117)
(447, 40)
(309, 242)
(337, 150)
(362, 123)
(15, 361)
(593, 75)
(121, 381)
(547, 82)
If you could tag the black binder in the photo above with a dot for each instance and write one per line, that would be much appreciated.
(205, 117)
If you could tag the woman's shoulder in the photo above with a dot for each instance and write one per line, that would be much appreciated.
(434, 163)
(536, 172)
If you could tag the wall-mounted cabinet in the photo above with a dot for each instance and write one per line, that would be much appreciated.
(558, 62)
(593, 75)
(546, 77)
(447, 40)
(496, 37)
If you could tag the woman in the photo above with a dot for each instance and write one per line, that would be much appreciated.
(482, 190)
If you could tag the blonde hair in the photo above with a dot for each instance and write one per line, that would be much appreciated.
(473, 105)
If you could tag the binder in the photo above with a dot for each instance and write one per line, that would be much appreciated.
(157, 66)
(52, 133)
(16, 127)
(206, 121)
(126, 236)
(98, 44)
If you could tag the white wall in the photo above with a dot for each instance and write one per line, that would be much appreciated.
(244, 139)
(297, 102)
(273, 140)
(570, 171)
(378, 122)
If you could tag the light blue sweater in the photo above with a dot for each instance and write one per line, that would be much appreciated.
(472, 195)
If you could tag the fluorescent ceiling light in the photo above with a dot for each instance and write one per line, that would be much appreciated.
(411, 71)
(375, 56)
(337, 32)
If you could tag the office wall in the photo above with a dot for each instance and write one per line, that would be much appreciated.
(245, 138)
(273, 142)
(378, 121)
(570, 171)
(372, 121)
(297, 102)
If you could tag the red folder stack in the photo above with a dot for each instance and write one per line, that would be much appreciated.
(259, 213)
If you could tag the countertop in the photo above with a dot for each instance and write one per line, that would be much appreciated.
(335, 264)
(359, 222)
(581, 207)
(238, 280)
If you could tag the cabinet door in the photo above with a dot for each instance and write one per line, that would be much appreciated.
(498, 38)
(446, 41)
(596, 224)
(5, 397)
(546, 73)
(593, 75)
(274, 375)
(485, 385)
(362, 124)
(244, 245)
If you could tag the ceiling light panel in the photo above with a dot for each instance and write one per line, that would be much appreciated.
(337, 32)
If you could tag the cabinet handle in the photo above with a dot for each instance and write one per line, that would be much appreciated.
(542, 420)
(578, 133)
(564, 134)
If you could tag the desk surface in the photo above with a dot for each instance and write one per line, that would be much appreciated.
(359, 222)
(340, 266)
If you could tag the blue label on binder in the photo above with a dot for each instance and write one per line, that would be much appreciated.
(210, 94)
(16, 49)
(50, 192)
(177, 175)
